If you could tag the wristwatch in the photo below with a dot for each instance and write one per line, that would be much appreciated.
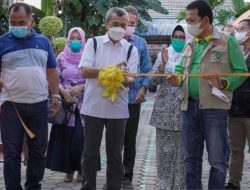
(58, 96)
(224, 84)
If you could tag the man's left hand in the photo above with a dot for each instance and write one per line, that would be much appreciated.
(140, 97)
(56, 105)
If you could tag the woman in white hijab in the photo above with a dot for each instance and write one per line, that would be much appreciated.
(166, 116)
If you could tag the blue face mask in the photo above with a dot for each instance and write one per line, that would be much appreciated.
(75, 46)
(178, 45)
(19, 31)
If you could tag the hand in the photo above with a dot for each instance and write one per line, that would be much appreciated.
(1, 84)
(173, 80)
(66, 95)
(214, 81)
(164, 55)
(76, 90)
(122, 66)
(128, 81)
(55, 105)
(140, 95)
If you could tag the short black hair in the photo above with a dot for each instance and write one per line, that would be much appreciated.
(117, 10)
(16, 7)
(246, 20)
(204, 9)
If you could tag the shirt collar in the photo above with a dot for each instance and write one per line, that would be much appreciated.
(216, 35)
(107, 40)
(206, 39)
(131, 38)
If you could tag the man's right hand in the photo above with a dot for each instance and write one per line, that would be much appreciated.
(173, 80)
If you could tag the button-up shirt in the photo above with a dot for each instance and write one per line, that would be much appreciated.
(107, 53)
(144, 66)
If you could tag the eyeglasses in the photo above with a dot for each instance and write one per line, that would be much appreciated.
(179, 37)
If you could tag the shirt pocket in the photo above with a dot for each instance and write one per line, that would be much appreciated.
(218, 55)
(219, 60)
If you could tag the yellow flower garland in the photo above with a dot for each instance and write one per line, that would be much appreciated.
(111, 79)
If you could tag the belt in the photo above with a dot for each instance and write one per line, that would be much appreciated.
(191, 99)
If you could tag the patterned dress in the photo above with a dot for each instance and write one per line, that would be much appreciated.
(166, 118)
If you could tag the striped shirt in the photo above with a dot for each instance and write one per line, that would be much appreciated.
(23, 65)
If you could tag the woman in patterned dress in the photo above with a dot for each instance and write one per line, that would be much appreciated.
(166, 116)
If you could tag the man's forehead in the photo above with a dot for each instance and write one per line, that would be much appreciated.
(115, 17)
(193, 12)
(21, 10)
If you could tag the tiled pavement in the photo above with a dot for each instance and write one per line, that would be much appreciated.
(145, 169)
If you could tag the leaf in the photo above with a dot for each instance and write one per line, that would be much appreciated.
(92, 20)
(238, 5)
(223, 16)
(156, 6)
(101, 6)
(215, 3)
(181, 15)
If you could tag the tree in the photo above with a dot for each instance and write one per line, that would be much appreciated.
(90, 14)
(238, 8)
(222, 15)
(213, 3)
(3, 17)
(47, 7)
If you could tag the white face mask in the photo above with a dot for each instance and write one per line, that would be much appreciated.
(194, 29)
(116, 33)
(241, 37)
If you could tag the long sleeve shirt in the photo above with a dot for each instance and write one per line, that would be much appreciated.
(236, 61)
(144, 66)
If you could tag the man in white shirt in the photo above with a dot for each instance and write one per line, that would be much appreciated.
(98, 111)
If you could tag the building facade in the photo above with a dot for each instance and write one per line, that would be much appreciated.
(164, 24)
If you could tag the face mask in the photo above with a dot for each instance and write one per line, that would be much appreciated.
(116, 33)
(75, 46)
(241, 37)
(178, 45)
(194, 29)
(19, 31)
(129, 30)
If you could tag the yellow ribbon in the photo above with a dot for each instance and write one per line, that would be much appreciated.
(111, 79)
(187, 75)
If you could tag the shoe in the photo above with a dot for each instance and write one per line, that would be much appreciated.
(231, 186)
(127, 184)
(69, 177)
(79, 178)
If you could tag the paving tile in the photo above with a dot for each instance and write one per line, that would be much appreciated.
(145, 176)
